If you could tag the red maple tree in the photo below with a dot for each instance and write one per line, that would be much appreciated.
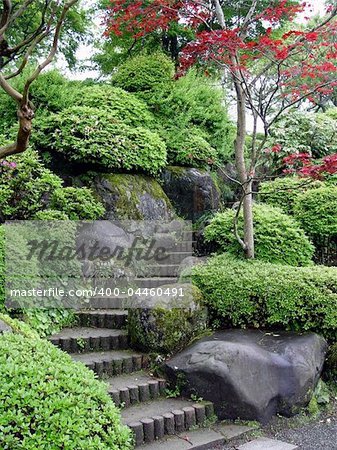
(271, 70)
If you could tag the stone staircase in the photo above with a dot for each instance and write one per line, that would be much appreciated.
(100, 341)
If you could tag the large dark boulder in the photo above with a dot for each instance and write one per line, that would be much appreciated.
(252, 375)
(132, 197)
(193, 192)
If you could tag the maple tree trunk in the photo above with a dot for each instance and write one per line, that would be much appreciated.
(244, 177)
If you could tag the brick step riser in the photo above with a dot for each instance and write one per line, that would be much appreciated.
(174, 258)
(148, 283)
(106, 369)
(111, 321)
(92, 344)
(149, 430)
(161, 271)
(135, 394)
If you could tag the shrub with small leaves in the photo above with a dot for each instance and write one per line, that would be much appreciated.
(77, 203)
(91, 135)
(51, 402)
(283, 192)
(316, 210)
(251, 293)
(51, 214)
(278, 237)
(25, 185)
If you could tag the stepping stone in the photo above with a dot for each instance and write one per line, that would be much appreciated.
(135, 388)
(267, 444)
(113, 362)
(77, 340)
(103, 318)
(151, 421)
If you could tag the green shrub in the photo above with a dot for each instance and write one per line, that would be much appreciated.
(51, 214)
(49, 321)
(278, 237)
(189, 149)
(77, 203)
(243, 293)
(25, 185)
(91, 135)
(149, 76)
(196, 103)
(50, 402)
(283, 192)
(2, 267)
(306, 132)
(316, 210)
(124, 106)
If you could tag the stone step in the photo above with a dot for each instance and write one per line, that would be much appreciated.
(85, 339)
(138, 387)
(103, 318)
(202, 439)
(111, 363)
(152, 421)
(267, 444)
(153, 282)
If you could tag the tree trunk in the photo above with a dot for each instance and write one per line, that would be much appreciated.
(244, 177)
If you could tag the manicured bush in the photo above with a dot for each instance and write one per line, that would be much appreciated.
(195, 106)
(25, 185)
(50, 402)
(316, 210)
(77, 203)
(2, 267)
(189, 148)
(278, 237)
(116, 102)
(283, 192)
(51, 214)
(243, 293)
(91, 135)
(149, 76)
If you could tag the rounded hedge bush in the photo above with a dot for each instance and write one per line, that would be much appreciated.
(283, 192)
(91, 135)
(278, 237)
(50, 402)
(25, 185)
(146, 75)
(316, 210)
(242, 293)
(77, 203)
(51, 214)
(116, 102)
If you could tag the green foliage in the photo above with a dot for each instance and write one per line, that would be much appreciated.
(91, 135)
(306, 132)
(118, 103)
(2, 267)
(49, 321)
(331, 363)
(51, 214)
(195, 108)
(250, 293)
(316, 210)
(190, 149)
(77, 203)
(25, 189)
(283, 192)
(278, 237)
(50, 402)
(149, 76)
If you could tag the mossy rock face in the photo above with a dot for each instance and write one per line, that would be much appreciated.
(192, 191)
(132, 197)
(168, 324)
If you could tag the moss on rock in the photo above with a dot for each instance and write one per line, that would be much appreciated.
(132, 197)
(166, 329)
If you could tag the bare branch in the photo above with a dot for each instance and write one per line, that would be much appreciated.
(7, 7)
(52, 52)
(10, 90)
